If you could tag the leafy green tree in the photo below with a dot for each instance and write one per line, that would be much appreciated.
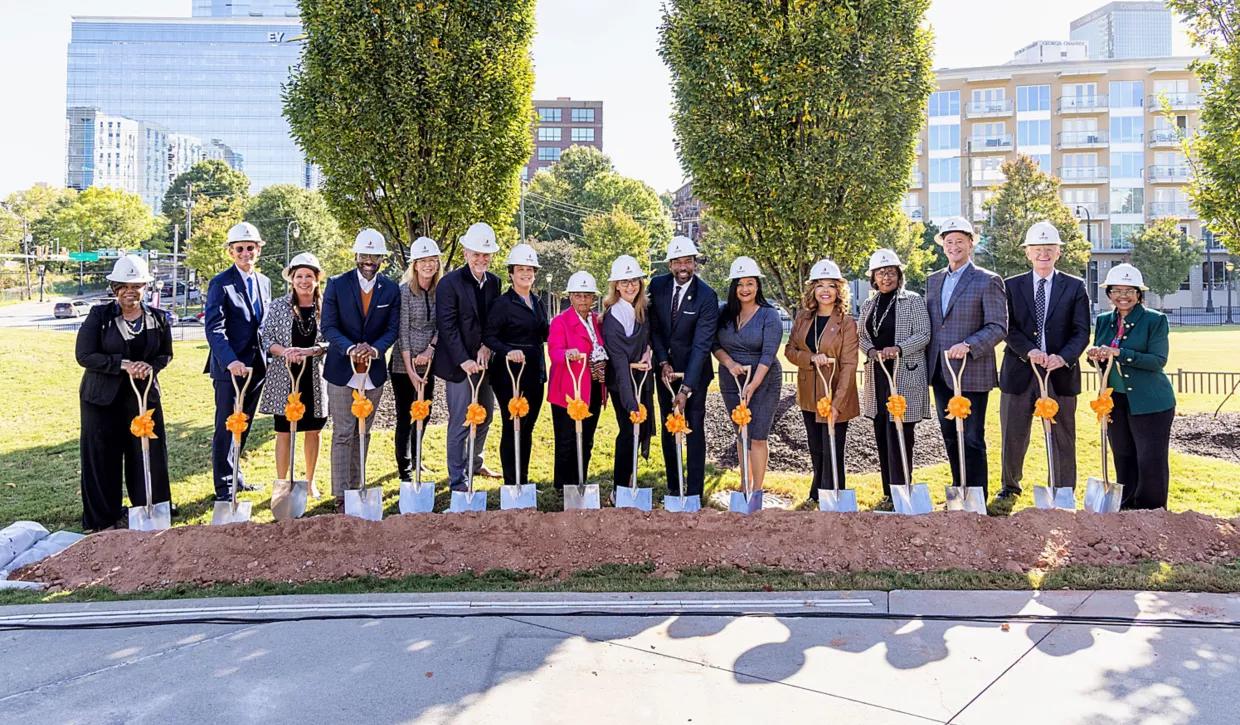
(1164, 255)
(720, 244)
(207, 254)
(1214, 152)
(275, 208)
(113, 218)
(217, 187)
(38, 205)
(907, 238)
(417, 113)
(610, 235)
(1027, 196)
(558, 258)
(797, 119)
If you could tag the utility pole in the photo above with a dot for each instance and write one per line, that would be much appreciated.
(522, 212)
(1209, 275)
(176, 250)
(189, 221)
(26, 247)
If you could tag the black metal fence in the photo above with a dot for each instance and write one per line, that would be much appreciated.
(1198, 316)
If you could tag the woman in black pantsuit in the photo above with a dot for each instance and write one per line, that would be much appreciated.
(626, 337)
(120, 340)
(516, 331)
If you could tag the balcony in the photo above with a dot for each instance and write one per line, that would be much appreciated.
(996, 108)
(998, 144)
(1083, 104)
(1084, 174)
(1084, 139)
(916, 180)
(1178, 101)
(1176, 209)
(987, 178)
(1090, 210)
(1179, 174)
(1167, 138)
(914, 213)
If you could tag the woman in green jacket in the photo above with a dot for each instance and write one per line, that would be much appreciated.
(1140, 428)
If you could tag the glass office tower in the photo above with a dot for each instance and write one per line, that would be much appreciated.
(1125, 30)
(246, 8)
(207, 84)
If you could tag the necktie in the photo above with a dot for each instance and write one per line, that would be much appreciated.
(1039, 309)
(675, 304)
(255, 301)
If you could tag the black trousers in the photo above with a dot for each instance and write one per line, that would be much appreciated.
(221, 439)
(819, 435)
(404, 394)
(566, 438)
(1140, 444)
(974, 434)
(507, 437)
(695, 442)
(109, 450)
(887, 440)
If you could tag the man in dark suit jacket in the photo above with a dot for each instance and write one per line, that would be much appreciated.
(462, 300)
(361, 320)
(968, 318)
(237, 299)
(684, 312)
(1048, 323)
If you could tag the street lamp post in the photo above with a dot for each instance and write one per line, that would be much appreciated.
(294, 229)
(1231, 282)
(1209, 275)
(1089, 238)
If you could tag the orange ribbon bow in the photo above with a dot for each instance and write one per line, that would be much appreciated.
(577, 409)
(362, 407)
(640, 416)
(1103, 406)
(474, 415)
(236, 424)
(897, 406)
(519, 407)
(1046, 408)
(959, 407)
(742, 415)
(824, 407)
(676, 423)
(143, 426)
(419, 410)
(295, 410)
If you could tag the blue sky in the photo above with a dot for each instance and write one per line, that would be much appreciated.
(586, 49)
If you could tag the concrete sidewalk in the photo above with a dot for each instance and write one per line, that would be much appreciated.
(639, 659)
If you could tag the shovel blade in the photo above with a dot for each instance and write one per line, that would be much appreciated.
(966, 498)
(1102, 500)
(157, 519)
(741, 503)
(463, 501)
(687, 505)
(843, 501)
(581, 498)
(912, 499)
(521, 496)
(417, 501)
(288, 502)
(364, 503)
(634, 498)
(1062, 497)
(224, 513)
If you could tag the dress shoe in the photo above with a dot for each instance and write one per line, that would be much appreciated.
(1006, 495)
(488, 473)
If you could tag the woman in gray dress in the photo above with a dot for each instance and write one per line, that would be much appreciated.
(415, 345)
(750, 333)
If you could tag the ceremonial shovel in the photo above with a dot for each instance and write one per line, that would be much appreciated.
(233, 511)
(1050, 496)
(963, 497)
(744, 501)
(909, 498)
(519, 495)
(288, 497)
(840, 500)
(631, 496)
(1102, 496)
(583, 495)
(149, 517)
(363, 503)
(415, 496)
(466, 500)
(680, 503)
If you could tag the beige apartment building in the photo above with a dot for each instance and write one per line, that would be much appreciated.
(1098, 125)
(560, 125)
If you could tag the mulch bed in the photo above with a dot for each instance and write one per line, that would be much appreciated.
(1201, 435)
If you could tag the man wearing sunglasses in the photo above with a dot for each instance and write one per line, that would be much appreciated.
(237, 299)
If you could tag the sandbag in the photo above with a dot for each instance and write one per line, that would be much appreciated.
(16, 538)
(53, 544)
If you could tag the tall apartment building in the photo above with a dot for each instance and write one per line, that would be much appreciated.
(1051, 51)
(1097, 125)
(561, 124)
(1125, 30)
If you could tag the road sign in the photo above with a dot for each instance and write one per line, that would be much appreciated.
(83, 256)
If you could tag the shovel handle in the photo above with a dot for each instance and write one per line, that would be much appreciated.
(239, 401)
(951, 370)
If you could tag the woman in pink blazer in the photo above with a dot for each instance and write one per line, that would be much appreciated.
(575, 335)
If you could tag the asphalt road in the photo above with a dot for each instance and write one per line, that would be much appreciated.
(39, 316)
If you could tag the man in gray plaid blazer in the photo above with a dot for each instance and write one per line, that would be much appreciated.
(968, 318)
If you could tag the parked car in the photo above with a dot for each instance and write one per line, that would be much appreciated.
(165, 294)
(72, 308)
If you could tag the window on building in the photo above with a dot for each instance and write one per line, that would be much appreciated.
(988, 169)
(944, 203)
(549, 115)
(1033, 98)
(1128, 201)
(1121, 235)
(945, 103)
(944, 137)
(549, 134)
(945, 171)
(548, 153)
(583, 134)
(1127, 129)
(1127, 165)
(1033, 133)
(1127, 94)
(1043, 161)
(583, 115)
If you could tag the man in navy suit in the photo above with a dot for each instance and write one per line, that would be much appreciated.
(462, 300)
(361, 320)
(1048, 324)
(684, 314)
(237, 298)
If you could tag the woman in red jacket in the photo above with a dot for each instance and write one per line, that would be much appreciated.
(575, 340)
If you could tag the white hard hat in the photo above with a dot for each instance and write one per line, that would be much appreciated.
(681, 247)
(625, 267)
(581, 282)
(423, 247)
(884, 258)
(370, 241)
(524, 255)
(1124, 275)
(305, 259)
(480, 237)
(243, 232)
(825, 269)
(955, 224)
(1042, 233)
(131, 268)
(744, 267)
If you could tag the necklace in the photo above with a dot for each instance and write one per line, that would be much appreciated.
(742, 321)
(135, 325)
(307, 327)
(875, 328)
(818, 330)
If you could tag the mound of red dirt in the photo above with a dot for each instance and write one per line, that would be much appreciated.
(328, 548)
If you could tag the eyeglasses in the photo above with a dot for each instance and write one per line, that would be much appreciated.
(244, 248)
(368, 257)
(629, 283)
(1123, 292)
(887, 272)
